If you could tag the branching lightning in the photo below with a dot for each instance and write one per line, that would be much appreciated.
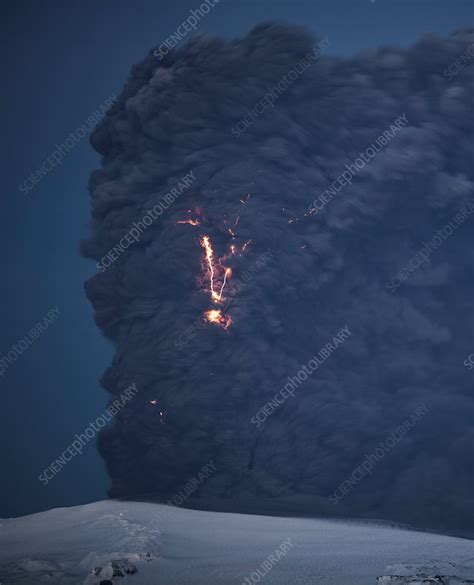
(216, 275)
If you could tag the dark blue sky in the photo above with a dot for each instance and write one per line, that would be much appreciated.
(61, 61)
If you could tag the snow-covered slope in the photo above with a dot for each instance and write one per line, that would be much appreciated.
(150, 544)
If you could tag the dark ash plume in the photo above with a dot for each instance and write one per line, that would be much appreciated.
(327, 270)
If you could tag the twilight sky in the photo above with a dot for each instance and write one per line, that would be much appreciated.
(62, 62)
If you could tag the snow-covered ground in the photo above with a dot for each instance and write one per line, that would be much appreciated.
(170, 546)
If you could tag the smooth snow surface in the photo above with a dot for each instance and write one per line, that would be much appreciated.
(171, 546)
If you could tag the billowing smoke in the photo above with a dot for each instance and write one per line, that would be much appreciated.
(350, 185)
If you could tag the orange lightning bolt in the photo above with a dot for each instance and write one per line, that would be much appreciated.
(206, 244)
(217, 280)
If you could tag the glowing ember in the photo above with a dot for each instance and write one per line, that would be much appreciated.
(216, 316)
(189, 221)
(162, 413)
(311, 211)
(246, 245)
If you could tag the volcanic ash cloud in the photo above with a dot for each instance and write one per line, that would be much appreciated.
(255, 247)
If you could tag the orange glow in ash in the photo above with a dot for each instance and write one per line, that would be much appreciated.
(216, 316)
